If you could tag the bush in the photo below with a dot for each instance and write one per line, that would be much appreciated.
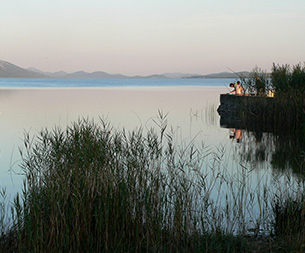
(287, 81)
(258, 82)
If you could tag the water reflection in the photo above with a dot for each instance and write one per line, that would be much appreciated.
(261, 144)
(289, 152)
(236, 134)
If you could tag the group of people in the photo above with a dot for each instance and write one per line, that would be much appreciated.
(259, 87)
(237, 88)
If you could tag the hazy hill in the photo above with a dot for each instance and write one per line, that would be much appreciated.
(223, 75)
(58, 74)
(150, 77)
(10, 70)
(97, 74)
(179, 75)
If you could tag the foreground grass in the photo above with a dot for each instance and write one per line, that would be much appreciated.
(91, 189)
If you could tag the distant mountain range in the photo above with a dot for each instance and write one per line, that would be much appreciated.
(223, 75)
(9, 70)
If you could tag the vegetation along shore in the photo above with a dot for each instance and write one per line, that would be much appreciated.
(276, 100)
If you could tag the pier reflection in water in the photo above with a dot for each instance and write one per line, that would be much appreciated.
(283, 150)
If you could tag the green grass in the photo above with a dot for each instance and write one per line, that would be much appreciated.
(92, 188)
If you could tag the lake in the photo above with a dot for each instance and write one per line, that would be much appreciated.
(258, 159)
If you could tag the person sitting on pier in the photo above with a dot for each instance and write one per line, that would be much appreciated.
(238, 89)
(232, 86)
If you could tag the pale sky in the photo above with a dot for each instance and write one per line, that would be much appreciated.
(152, 36)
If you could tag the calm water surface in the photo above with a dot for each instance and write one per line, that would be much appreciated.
(102, 83)
(29, 105)
(190, 104)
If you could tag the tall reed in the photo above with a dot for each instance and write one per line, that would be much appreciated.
(92, 188)
(289, 220)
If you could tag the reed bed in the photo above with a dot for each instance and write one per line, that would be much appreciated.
(289, 220)
(91, 188)
(285, 109)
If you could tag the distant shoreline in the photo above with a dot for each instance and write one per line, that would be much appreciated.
(9, 70)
